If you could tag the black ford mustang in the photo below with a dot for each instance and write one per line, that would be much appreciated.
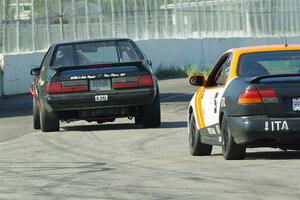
(98, 80)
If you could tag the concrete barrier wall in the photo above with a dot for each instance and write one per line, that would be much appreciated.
(16, 71)
(199, 52)
(163, 53)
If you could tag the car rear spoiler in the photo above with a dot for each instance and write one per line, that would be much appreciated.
(257, 79)
(139, 64)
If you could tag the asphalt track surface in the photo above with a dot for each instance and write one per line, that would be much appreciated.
(122, 161)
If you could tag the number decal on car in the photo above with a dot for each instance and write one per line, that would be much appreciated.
(216, 102)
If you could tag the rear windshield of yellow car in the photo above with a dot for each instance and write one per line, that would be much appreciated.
(269, 63)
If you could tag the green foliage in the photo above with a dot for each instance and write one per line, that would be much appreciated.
(170, 72)
(193, 71)
(179, 72)
(39, 5)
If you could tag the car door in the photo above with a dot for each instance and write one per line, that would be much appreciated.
(214, 89)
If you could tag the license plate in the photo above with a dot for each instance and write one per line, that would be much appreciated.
(101, 98)
(296, 104)
(100, 84)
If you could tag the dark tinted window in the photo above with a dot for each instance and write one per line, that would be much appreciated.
(46, 58)
(223, 75)
(269, 63)
(127, 52)
(63, 56)
(219, 75)
(94, 53)
(97, 52)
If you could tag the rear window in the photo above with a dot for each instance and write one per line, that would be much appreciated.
(269, 63)
(94, 53)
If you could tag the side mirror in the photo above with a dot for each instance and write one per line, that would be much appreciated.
(149, 62)
(197, 80)
(35, 71)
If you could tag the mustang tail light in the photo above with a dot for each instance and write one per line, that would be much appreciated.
(132, 82)
(145, 81)
(79, 88)
(125, 82)
(257, 96)
(53, 88)
(64, 87)
(75, 86)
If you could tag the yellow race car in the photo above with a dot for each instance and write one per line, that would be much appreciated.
(251, 98)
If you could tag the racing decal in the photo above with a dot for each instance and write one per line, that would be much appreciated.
(83, 77)
(276, 126)
(114, 75)
(223, 102)
(106, 75)
(211, 131)
(215, 102)
(198, 108)
(211, 105)
(203, 104)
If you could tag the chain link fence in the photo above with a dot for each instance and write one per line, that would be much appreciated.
(29, 25)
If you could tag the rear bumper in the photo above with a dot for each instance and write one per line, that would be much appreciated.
(84, 101)
(257, 129)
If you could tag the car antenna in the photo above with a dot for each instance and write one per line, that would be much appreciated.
(285, 41)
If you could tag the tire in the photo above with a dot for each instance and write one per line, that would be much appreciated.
(36, 115)
(49, 121)
(151, 114)
(138, 120)
(197, 148)
(230, 149)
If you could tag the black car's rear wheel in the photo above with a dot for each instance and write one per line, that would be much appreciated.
(138, 119)
(197, 148)
(230, 149)
(151, 114)
(36, 115)
(49, 121)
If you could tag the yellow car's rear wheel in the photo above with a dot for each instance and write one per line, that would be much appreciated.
(230, 149)
(197, 148)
